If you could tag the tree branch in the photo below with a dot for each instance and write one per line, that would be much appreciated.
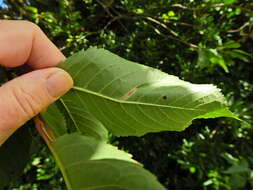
(213, 6)
(239, 29)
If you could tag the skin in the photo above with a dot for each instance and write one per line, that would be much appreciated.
(24, 43)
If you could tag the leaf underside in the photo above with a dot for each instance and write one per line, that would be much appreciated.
(132, 99)
(55, 119)
(88, 164)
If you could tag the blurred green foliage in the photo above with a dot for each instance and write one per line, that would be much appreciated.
(202, 41)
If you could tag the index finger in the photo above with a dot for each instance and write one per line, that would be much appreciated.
(24, 42)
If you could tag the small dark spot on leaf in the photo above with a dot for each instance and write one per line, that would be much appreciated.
(165, 97)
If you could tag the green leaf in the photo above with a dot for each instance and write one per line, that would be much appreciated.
(133, 99)
(220, 61)
(229, 1)
(224, 1)
(31, 9)
(237, 181)
(80, 119)
(69, 117)
(239, 54)
(241, 167)
(139, 11)
(55, 119)
(90, 164)
(203, 57)
(237, 169)
(211, 56)
(230, 45)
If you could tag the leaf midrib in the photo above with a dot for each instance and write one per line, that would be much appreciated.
(130, 102)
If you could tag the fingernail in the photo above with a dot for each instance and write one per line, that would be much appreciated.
(59, 83)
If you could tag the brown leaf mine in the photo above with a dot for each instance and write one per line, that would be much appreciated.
(129, 93)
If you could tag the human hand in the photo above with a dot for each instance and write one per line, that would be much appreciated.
(24, 97)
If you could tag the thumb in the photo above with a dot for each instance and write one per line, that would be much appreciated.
(26, 96)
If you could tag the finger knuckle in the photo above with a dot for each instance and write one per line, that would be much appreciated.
(30, 26)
